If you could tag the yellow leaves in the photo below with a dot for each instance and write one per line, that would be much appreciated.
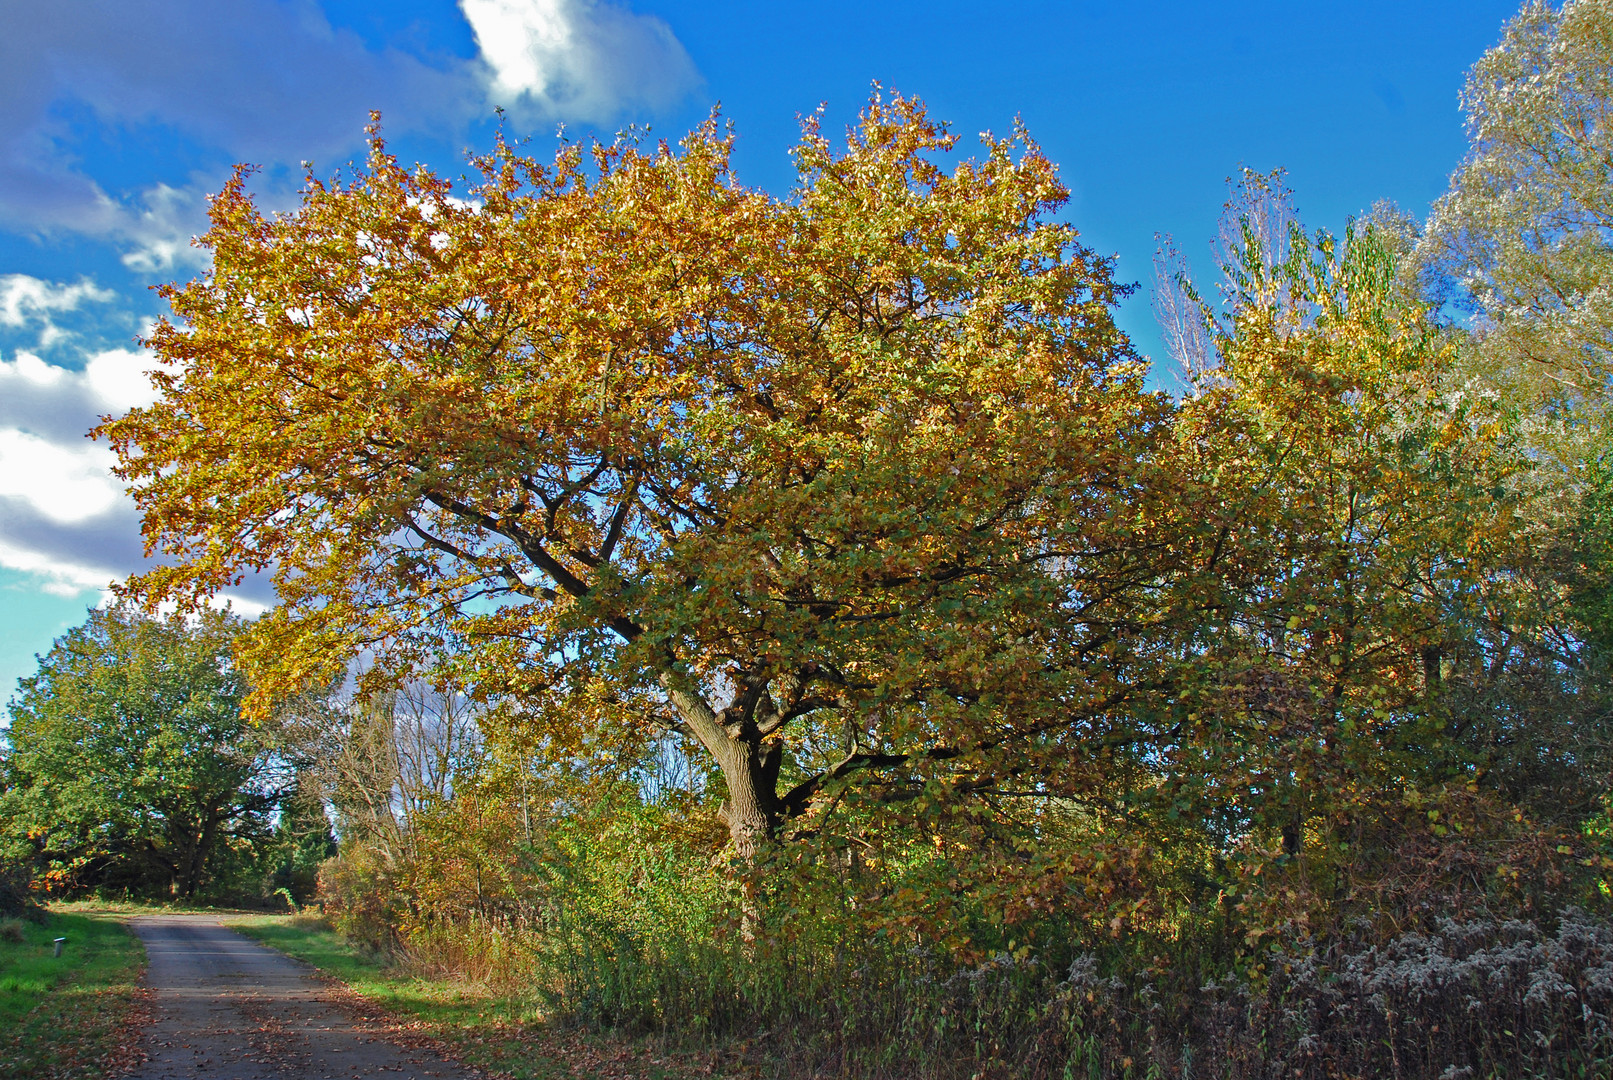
(582, 397)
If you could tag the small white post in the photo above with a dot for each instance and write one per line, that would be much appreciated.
(59, 943)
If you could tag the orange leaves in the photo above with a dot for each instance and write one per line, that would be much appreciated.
(574, 376)
(862, 462)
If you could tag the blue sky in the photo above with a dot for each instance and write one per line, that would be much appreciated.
(117, 117)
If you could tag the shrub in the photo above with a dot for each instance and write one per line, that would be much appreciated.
(360, 897)
(16, 892)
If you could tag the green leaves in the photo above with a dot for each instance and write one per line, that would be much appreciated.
(1522, 235)
(128, 763)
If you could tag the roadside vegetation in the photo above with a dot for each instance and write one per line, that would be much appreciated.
(70, 1016)
(497, 1026)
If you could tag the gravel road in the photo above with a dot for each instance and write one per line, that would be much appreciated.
(228, 1008)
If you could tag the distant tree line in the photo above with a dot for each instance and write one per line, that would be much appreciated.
(129, 770)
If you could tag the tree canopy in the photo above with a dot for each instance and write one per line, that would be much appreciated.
(852, 477)
(1523, 240)
(1525, 232)
(860, 490)
(128, 764)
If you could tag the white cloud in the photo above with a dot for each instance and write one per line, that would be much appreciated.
(25, 300)
(63, 515)
(272, 82)
(60, 404)
(578, 59)
(59, 577)
(157, 227)
(120, 379)
(64, 518)
(66, 484)
(268, 81)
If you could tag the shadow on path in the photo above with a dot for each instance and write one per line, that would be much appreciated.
(230, 1009)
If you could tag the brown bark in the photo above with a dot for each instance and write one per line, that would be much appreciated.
(750, 768)
(196, 857)
(753, 811)
(1433, 658)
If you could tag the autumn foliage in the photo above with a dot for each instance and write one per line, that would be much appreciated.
(843, 615)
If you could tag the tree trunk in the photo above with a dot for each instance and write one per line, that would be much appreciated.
(1433, 659)
(750, 767)
(753, 815)
(196, 862)
(752, 811)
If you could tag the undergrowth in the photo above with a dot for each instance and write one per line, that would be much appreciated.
(488, 1024)
(611, 935)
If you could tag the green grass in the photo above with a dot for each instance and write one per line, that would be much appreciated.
(502, 1033)
(63, 1017)
(436, 1001)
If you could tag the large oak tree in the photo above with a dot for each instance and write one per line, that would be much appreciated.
(849, 482)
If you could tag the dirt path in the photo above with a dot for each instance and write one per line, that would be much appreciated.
(230, 1009)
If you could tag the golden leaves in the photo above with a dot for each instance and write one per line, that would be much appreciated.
(627, 352)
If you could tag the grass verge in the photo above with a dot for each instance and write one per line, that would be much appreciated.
(69, 1016)
(498, 1032)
